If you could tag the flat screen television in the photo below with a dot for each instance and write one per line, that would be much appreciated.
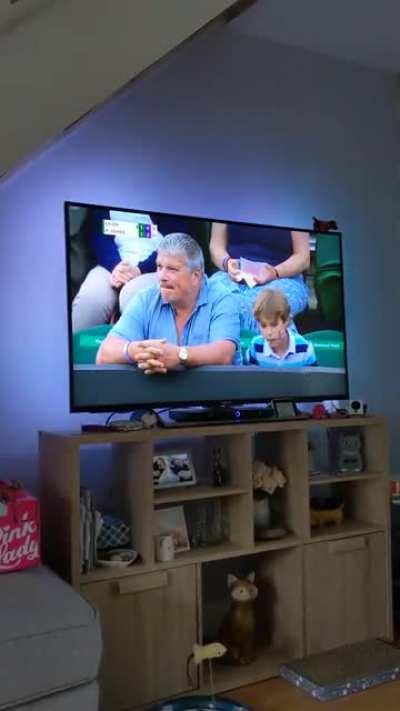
(116, 262)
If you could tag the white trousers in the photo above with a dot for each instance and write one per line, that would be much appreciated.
(97, 301)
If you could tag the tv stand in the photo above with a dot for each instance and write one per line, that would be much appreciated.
(169, 606)
(215, 414)
(322, 586)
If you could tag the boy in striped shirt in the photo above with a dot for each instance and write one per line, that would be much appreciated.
(277, 346)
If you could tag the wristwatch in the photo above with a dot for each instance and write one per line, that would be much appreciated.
(183, 355)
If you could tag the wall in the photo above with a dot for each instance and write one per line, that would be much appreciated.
(230, 127)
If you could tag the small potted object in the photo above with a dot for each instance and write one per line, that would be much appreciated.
(266, 480)
(326, 511)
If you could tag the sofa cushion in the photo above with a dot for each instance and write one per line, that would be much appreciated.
(49, 636)
(81, 698)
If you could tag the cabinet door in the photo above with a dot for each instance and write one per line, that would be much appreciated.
(345, 591)
(149, 627)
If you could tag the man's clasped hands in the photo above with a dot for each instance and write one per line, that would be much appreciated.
(155, 355)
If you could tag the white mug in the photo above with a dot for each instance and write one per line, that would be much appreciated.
(165, 548)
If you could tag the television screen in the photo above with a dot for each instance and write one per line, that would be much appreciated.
(175, 310)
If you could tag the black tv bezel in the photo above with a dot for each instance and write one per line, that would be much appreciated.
(129, 407)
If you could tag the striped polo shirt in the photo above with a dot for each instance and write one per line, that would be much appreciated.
(300, 353)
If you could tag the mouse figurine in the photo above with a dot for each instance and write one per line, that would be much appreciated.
(238, 629)
(200, 653)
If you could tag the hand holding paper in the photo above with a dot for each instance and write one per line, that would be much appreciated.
(253, 273)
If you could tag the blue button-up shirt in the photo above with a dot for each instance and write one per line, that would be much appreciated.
(215, 317)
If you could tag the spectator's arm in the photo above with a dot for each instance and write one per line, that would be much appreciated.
(218, 243)
(300, 259)
(117, 350)
(216, 353)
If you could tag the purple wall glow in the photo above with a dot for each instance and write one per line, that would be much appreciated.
(229, 127)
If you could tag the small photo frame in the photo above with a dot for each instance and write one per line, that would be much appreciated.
(285, 409)
(173, 468)
(171, 521)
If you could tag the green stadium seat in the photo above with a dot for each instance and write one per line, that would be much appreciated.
(328, 277)
(86, 343)
(328, 288)
(327, 252)
(329, 348)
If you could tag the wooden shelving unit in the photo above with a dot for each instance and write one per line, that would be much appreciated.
(175, 495)
(346, 529)
(327, 586)
(319, 479)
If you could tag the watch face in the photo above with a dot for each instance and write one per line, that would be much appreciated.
(183, 354)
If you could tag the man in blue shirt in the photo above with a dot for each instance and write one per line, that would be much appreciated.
(183, 321)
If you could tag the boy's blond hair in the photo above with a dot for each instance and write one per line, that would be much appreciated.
(271, 304)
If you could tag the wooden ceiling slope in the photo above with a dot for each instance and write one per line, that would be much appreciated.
(15, 12)
(60, 59)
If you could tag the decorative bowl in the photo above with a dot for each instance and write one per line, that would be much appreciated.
(117, 558)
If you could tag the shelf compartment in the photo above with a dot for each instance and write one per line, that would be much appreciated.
(229, 550)
(235, 451)
(98, 574)
(197, 555)
(214, 521)
(197, 492)
(133, 483)
(204, 555)
(278, 610)
(352, 421)
(374, 444)
(288, 541)
(288, 451)
(345, 530)
(365, 506)
(265, 666)
(323, 479)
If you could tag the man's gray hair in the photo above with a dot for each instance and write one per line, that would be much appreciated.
(181, 244)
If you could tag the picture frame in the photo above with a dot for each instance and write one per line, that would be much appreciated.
(173, 468)
(285, 409)
(171, 521)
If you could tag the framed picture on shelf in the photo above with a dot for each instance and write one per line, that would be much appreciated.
(173, 468)
(171, 521)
